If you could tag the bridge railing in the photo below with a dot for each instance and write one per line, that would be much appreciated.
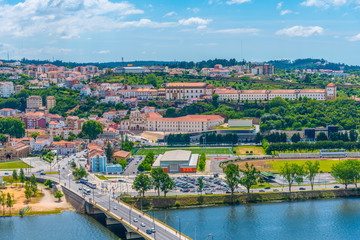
(158, 221)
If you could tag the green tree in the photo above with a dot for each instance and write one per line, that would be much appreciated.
(167, 184)
(312, 169)
(343, 172)
(109, 152)
(258, 138)
(22, 176)
(28, 190)
(10, 201)
(48, 183)
(321, 137)
(157, 175)
(59, 195)
(33, 184)
(34, 135)
(300, 174)
(201, 184)
(353, 135)
(123, 163)
(142, 183)
(92, 129)
(288, 172)
(295, 138)
(80, 173)
(3, 200)
(15, 175)
(232, 176)
(3, 138)
(250, 176)
(202, 162)
(215, 99)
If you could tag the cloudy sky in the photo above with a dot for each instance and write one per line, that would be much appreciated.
(106, 30)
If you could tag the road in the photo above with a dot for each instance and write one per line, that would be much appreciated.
(117, 209)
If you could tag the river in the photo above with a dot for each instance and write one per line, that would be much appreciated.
(318, 219)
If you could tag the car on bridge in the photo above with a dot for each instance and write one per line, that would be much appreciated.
(148, 231)
(143, 224)
(135, 220)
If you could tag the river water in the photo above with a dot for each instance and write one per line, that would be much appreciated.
(319, 219)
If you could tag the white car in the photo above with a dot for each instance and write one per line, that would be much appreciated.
(115, 208)
(135, 220)
(143, 224)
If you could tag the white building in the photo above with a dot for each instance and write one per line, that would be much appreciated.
(6, 89)
(182, 91)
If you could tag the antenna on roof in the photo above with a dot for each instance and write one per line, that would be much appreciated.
(8, 56)
(122, 60)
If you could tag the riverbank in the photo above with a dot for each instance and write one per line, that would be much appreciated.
(176, 202)
(43, 203)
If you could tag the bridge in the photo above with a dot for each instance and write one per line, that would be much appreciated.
(116, 211)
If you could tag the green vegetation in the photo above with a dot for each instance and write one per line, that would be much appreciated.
(101, 177)
(147, 163)
(250, 176)
(14, 165)
(202, 162)
(232, 177)
(142, 183)
(48, 183)
(92, 129)
(292, 172)
(213, 138)
(12, 126)
(194, 150)
(346, 172)
(59, 195)
(324, 165)
(176, 139)
(79, 173)
(310, 147)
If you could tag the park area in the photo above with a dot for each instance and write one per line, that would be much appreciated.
(275, 165)
(194, 150)
(9, 165)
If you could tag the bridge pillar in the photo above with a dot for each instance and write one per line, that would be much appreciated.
(91, 209)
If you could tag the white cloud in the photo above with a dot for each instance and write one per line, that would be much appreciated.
(238, 31)
(200, 22)
(284, 12)
(237, 2)
(195, 10)
(324, 3)
(354, 38)
(301, 31)
(103, 52)
(279, 5)
(169, 14)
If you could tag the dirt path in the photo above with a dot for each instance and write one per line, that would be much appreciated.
(44, 201)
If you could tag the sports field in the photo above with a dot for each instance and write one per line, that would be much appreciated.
(274, 165)
(241, 150)
(13, 165)
(194, 150)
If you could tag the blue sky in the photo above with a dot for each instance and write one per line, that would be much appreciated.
(106, 30)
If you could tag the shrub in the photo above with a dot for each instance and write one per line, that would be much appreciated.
(177, 204)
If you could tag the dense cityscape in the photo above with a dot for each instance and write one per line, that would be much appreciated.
(165, 120)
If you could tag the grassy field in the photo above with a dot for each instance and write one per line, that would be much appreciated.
(274, 165)
(13, 165)
(325, 165)
(101, 177)
(194, 150)
(241, 150)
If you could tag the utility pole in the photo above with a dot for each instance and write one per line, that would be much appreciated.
(109, 201)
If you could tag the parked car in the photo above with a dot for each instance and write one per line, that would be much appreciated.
(336, 187)
(266, 187)
(276, 190)
(302, 188)
(262, 190)
(42, 173)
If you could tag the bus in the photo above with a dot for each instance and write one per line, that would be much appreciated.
(83, 181)
(91, 185)
(87, 191)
